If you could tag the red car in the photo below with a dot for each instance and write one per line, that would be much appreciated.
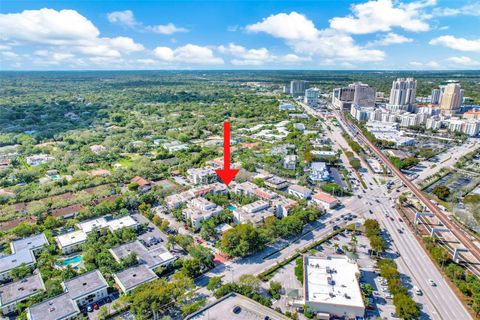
(95, 306)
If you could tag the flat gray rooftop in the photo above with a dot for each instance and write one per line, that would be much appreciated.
(14, 260)
(85, 284)
(151, 258)
(223, 309)
(59, 307)
(135, 276)
(17, 291)
(29, 243)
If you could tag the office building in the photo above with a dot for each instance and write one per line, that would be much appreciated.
(342, 98)
(311, 96)
(298, 87)
(435, 97)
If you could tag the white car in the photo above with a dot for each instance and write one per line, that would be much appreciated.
(432, 283)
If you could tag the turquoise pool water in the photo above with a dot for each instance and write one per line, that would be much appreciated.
(72, 260)
(55, 177)
(231, 208)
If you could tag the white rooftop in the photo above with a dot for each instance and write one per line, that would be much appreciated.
(71, 238)
(332, 280)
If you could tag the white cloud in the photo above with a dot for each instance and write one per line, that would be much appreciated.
(122, 17)
(292, 26)
(65, 29)
(383, 15)
(460, 44)
(463, 61)
(9, 55)
(47, 26)
(293, 58)
(256, 57)
(166, 29)
(127, 18)
(189, 53)
(301, 34)
(472, 9)
(426, 65)
(390, 38)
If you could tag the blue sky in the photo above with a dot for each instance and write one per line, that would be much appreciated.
(329, 34)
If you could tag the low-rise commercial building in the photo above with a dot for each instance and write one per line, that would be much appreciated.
(14, 293)
(331, 287)
(299, 191)
(325, 200)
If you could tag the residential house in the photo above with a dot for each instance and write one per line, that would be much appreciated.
(144, 184)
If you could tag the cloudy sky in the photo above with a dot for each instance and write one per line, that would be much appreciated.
(328, 34)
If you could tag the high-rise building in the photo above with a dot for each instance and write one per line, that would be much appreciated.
(356, 93)
(298, 87)
(364, 95)
(311, 96)
(451, 98)
(403, 93)
(435, 97)
(342, 98)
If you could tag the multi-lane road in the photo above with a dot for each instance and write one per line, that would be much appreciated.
(438, 302)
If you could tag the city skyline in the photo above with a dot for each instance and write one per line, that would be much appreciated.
(364, 35)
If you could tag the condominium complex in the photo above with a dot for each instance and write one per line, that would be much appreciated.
(451, 98)
(403, 94)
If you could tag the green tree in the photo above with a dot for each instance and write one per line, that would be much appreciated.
(203, 255)
(214, 283)
(275, 289)
(441, 191)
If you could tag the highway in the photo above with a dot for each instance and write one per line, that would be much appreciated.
(459, 234)
(438, 302)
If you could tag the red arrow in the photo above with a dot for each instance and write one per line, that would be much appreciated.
(226, 174)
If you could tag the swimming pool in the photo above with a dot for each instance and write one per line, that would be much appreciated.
(231, 208)
(71, 260)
